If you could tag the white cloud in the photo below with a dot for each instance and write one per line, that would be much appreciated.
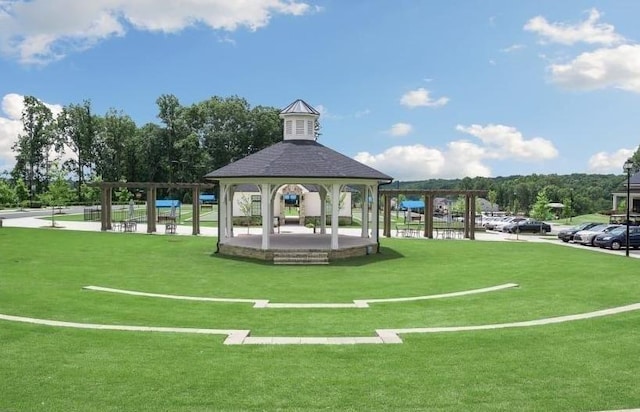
(460, 158)
(326, 114)
(512, 48)
(589, 31)
(603, 162)
(418, 162)
(617, 67)
(421, 97)
(400, 129)
(507, 142)
(39, 31)
(11, 126)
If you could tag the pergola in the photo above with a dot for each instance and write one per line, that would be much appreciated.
(428, 196)
(151, 188)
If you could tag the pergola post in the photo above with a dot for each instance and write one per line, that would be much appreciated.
(466, 216)
(151, 210)
(103, 208)
(195, 209)
(428, 216)
(472, 221)
(387, 216)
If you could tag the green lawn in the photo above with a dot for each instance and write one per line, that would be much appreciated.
(582, 365)
(576, 220)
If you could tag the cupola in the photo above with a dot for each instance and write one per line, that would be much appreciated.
(299, 121)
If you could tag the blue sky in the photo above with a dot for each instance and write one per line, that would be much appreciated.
(416, 89)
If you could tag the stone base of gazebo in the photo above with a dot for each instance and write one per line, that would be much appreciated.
(250, 246)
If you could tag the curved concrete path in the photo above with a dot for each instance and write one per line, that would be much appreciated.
(388, 336)
(264, 303)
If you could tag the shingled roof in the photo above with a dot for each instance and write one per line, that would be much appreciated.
(298, 159)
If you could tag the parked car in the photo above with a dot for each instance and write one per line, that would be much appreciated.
(498, 225)
(529, 225)
(617, 238)
(567, 234)
(586, 237)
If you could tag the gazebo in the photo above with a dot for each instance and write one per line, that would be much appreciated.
(299, 159)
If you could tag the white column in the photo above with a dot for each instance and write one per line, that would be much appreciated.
(222, 204)
(374, 212)
(335, 213)
(365, 211)
(265, 196)
(230, 192)
(615, 202)
(323, 210)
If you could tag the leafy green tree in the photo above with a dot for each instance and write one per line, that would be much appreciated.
(59, 193)
(34, 145)
(8, 195)
(117, 133)
(78, 128)
(635, 159)
(541, 210)
(22, 192)
(492, 196)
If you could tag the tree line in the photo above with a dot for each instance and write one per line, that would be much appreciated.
(80, 146)
(580, 193)
(189, 142)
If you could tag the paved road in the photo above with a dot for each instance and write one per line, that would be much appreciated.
(21, 213)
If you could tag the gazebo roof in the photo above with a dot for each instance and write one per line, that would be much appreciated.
(297, 159)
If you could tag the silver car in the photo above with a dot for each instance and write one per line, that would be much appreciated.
(587, 237)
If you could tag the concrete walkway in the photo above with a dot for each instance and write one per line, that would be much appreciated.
(265, 304)
(383, 336)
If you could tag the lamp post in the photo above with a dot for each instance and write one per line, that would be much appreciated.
(627, 168)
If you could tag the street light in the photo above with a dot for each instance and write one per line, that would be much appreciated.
(628, 165)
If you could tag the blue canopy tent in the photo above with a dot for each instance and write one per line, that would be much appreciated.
(207, 199)
(170, 204)
(413, 205)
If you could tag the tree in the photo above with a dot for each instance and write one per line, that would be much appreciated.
(78, 129)
(7, 194)
(34, 144)
(116, 136)
(635, 159)
(59, 193)
(22, 192)
(541, 210)
(492, 196)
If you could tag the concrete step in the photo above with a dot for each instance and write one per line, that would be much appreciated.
(301, 258)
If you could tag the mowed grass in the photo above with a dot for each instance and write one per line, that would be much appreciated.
(583, 365)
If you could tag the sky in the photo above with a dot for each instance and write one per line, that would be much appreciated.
(417, 89)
